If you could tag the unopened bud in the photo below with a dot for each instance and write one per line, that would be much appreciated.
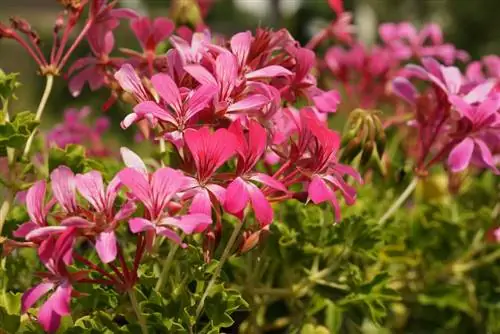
(250, 240)
(5, 31)
(186, 12)
(70, 4)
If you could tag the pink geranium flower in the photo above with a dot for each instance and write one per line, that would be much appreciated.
(241, 191)
(209, 151)
(155, 191)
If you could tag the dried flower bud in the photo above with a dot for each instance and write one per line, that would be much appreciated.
(71, 4)
(252, 239)
(5, 31)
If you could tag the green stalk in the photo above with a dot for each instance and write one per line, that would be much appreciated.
(41, 106)
(224, 257)
(137, 310)
(166, 267)
(4, 211)
(401, 199)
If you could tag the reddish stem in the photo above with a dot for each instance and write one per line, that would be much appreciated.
(139, 250)
(22, 42)
(95, 267)
(123, 264)
(75, 43)
(117, 272)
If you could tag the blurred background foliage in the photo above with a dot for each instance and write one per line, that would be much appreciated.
(471, 25)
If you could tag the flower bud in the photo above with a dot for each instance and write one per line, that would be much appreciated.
(70, 4)
(252, 239)
(186, 12)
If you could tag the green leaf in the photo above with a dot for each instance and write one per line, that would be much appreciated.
(72, 156)
(9, 322)
(8, 84)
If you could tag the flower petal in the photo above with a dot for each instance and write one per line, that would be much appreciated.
(91, 187)
(262, 208)
(140, 224)
(236, 196)
(32, 295)
(61, 299)
(132, 160)
(460, 155)
(63, 187)
(35, 199)
(190, 223)
(105, 246)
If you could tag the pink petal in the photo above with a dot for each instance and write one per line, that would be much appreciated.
(485, 154)
(91, 187)
(165, 183)
(35, 199)
(24, 229)
(162, 29)
(43, 232)
(460, 155)
(236, 196)
(201, 74)
(319, 191)
(138, 185)
(168, 90)
(31, 296)
(132, 160)
(240, 45)
(480, 92)
(77, 222)
(201, 203)
(166, 232)
(61, 299)
(140, 224)
(269, 181)
(404, 89)
(152, 108)
(125, 211)
(249, 102)
(268, 72)
(199, 100)
(218, 191)
(189, 223)
(226, 69)
(48, 318)
(328, 101)
(106, 246)
(130, 82)
(262, 208)
(452, 78)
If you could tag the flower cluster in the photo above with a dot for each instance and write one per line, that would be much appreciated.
(225, 109)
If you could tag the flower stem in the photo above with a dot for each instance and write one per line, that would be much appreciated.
(166, 267)
(403, 197)
(4, 211)
(224, 257)
(46, 93)
(137, 310)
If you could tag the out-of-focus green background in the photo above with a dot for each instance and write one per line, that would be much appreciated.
(471, 25)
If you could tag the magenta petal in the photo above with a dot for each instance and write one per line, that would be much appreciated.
(236, 196)
(268, 72)
(480, 92)
(262, 208)
(485, 154)
(106, 246)
(132, 160)
(218, 191)
(240, 45)
(166, 232)
(250, 102)
(31, 296)
(319, 191)
(76, 222)
(189, 223)
(61, 299)
(125, 211)
(460, 155)
(404, 89)
(201, 74)
(138, 185)
(43, 232)
(165, 183)
(130, 82)
(24, 229)
(199, 100)
(201, 203)
(140, 224)
(48, 318)
(327, 101)
(152, 108)
(168, 90)
(269, 181)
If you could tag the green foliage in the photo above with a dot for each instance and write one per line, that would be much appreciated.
(16, 132)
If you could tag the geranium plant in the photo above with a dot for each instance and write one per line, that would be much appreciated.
(248, 213)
